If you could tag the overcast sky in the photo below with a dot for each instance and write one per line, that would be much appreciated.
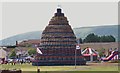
(22, 17)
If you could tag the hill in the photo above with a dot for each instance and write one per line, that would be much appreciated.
(81, 32)
(99, 30)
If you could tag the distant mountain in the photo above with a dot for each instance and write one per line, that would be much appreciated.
(99, 30)
(20, 37)
(81, 32)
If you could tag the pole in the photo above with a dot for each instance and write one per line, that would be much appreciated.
(75, 58)
(91, 56)
(37, 64)
(37, 61)
(38, 70)
(76, 51)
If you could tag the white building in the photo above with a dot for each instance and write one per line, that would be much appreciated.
(3, 53)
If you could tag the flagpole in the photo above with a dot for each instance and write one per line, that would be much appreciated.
(75, 58)
(38, 52)
(76, 52)
(38, 70)
(37, 57)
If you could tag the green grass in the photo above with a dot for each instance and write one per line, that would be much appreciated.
(89, 67)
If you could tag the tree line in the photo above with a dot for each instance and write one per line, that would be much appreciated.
(93, 38)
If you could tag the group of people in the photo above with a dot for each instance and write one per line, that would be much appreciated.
(14, 61)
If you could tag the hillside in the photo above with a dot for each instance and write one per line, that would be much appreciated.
(99, 30)
(81, 32)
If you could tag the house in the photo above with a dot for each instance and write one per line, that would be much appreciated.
(31, 43)
(3, 53)
(22, 51)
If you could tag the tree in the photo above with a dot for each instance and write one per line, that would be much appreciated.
(108, 38)
(80, 40)
(91, 38)
(112, 39)
(102, 52)
(13, 54)
(32, 51)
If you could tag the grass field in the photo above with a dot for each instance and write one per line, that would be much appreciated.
(88, 67)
